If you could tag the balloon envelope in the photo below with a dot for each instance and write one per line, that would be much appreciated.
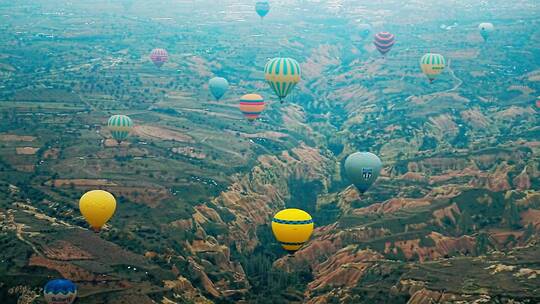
(432, 65)
(262, 8)
(251, 105)
(485, 29)
(384, 41)
(97, 207)
(282, 74)
(60, 291)
(362, 169)
(120, 126)
(218, 86)
(159, 57)
(292, 228)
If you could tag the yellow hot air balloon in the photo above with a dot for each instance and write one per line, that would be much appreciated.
(292, 228)
(97, 207)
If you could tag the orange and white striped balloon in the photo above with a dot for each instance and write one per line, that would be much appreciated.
(251, 105)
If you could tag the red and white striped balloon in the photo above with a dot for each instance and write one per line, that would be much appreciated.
(159, 57)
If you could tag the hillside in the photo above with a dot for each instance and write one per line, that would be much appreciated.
(454, 217)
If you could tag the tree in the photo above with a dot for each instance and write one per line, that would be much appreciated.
(528, 232)
(465, 223)
(482, 243)
(511, 216)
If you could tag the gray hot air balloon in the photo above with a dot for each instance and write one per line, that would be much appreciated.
(218, 86)
(362, 169)
(485, 29)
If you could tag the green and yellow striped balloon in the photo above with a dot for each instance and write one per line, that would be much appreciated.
(120, 126)
(282, 74)
(432, 65)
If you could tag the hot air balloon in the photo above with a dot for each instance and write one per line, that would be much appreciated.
(485, 29)
(159, 57)
(60, 291)
(120, 126)
(218, 86)
(292, 228)
(384, 41)
(362, 169)
(97, 207)
(538, 102)
(364, 29)
(282, 74)
(432, 65)
(251, 105)
(262, 8)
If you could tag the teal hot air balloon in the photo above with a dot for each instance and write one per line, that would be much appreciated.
(362, 169)
(218, 87)
(282, 74)
(120, 126)
(262, 8)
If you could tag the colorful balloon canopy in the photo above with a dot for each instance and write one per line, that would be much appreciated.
(432, 65)
(485, 29)
(97, 207)
(362, 169)
(292, 228)
(282, 74)
(218, 87)
(364, 29)
(120, 126)
(262, 8)
(60, 291)
(384, 41)
(252, 105)
(159, 57)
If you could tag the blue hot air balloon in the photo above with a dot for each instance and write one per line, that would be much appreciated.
(218, 86)
(362, 169)
(60, 291)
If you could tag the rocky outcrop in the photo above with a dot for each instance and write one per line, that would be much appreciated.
(532, 217)
(392, 205)
(431, 166)
(343, 199)
(425, 296)
(496, 181)
(185, 289)
(443, 246)
(447, 212)
(413, 176)
(342, 270)
(522, 181)
(197, 272)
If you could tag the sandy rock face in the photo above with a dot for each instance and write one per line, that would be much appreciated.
(183, 286)
(392, 205)
(444, 245)
(522, 181)
(342, 270)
